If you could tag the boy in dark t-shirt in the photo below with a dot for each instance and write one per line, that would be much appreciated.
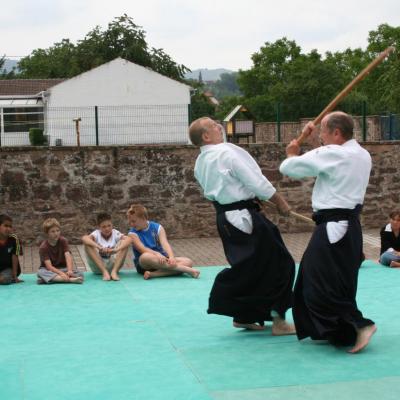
(10, 249)
(56, 265)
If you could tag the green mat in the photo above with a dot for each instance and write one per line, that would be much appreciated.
(137, 339)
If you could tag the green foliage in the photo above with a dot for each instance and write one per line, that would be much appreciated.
(123, 38)
(200, 107)
(226, 106)
(385, 79)
(303, 84)
(3, 73)
(225, 86)
(36, 137)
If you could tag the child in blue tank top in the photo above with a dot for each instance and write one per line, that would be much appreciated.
(153, 255)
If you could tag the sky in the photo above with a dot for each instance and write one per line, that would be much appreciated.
(200, 34)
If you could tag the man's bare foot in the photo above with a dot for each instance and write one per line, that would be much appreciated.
(363, 337)
(394, 264)
(147, 275)
(250, 327)
(106, 276)
(114, 276)
(195, 273)
(280, 328)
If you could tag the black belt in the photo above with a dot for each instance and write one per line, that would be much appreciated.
(336, 214)
(237, 205)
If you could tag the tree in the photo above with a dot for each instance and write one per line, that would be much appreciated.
(200, 106)
(123, 38)
(303, 84)
(385, 79)
(225, 86)
(300, 83)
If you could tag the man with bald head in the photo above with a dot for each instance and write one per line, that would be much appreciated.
(258, 286)
(325, 291)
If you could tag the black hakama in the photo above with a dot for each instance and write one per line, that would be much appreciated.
(262, 270)
(325, 291)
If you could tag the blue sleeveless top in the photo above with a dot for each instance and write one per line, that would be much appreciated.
(149, 238)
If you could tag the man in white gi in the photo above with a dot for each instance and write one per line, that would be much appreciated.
(258, 286)
(325, 292)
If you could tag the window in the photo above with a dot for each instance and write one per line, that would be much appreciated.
(20, 119)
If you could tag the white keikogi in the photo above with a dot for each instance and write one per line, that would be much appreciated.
(228, 174)
(342, 173)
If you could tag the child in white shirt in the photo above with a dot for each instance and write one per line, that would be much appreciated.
(106, 248)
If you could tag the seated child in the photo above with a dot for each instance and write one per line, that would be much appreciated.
(10, 249)
(106, 248)
(153, 256)
(56, 265)
(390, 241)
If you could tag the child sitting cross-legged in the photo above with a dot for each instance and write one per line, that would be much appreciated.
(106, 248)
(56, 265)
(10, 249)
(153, 255)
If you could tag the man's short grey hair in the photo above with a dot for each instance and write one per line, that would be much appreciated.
(196, 130)
(343, 122)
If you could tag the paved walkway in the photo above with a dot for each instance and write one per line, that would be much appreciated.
(203, 251)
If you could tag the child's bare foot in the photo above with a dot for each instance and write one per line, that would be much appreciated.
(147, 275)
(195, 273)
(77, 279)
(280, 327)
(250, 327)
(394, 264)
(106, 276)
(363, 337)
(114, 276)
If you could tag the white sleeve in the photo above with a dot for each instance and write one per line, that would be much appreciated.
(304, 166)
(117, 235)
(249, 173)
(95, 235)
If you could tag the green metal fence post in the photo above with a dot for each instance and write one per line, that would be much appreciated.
(278, 121)
(96, 118)
(190, 113)
(364, 120)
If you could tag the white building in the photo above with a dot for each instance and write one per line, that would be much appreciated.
(118, 103)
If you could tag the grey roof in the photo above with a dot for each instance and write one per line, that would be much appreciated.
(26, 87)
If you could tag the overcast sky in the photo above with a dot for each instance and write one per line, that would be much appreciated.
(200, 34)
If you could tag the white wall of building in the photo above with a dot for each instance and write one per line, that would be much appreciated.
(135, 105)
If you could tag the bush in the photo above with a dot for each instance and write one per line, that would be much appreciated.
(36, 137)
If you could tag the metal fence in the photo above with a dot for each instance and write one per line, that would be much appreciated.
(98, 125)
(390, 127)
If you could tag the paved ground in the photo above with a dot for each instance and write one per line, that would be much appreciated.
(204, 251)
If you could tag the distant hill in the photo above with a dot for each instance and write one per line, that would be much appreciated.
(9, 64)
(207, 74)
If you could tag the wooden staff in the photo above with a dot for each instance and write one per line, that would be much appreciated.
(292, 213)
(347, 89)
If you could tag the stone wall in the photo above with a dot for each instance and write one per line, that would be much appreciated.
(74, 185)
(266, 132)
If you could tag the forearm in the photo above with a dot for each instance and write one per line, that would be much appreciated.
(281, 204)
(48, 265)
(88, 241)
(68, 261)
(167, 248)
(14, 267)
(123, 244)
